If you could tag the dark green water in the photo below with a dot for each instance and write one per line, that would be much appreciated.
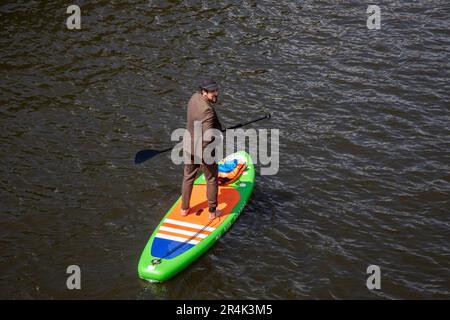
(364, 146)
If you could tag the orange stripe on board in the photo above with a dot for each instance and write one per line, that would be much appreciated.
(170, 225)
(179, 235)
(183, 232)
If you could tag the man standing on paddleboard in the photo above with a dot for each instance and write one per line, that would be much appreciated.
(200, 110)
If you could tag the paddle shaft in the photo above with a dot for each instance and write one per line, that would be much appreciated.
(247, 123)
(144, 155)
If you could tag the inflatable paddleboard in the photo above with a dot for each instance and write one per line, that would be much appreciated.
(178, 241)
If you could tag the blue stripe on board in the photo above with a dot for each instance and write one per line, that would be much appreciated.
(160, 247)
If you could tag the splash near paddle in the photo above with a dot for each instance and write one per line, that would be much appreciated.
(178, 241)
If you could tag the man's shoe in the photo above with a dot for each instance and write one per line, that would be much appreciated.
(215, 214)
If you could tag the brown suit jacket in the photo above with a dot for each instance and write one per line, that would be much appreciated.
(199, 109)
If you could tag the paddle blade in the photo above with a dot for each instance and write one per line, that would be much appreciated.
(144, 155)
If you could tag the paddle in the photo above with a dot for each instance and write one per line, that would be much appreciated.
(147, 154)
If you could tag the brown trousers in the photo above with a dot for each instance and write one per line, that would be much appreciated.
(211, 172)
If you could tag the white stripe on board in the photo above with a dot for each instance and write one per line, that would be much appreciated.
(179, 239)
(184, 232)
(188, 224)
